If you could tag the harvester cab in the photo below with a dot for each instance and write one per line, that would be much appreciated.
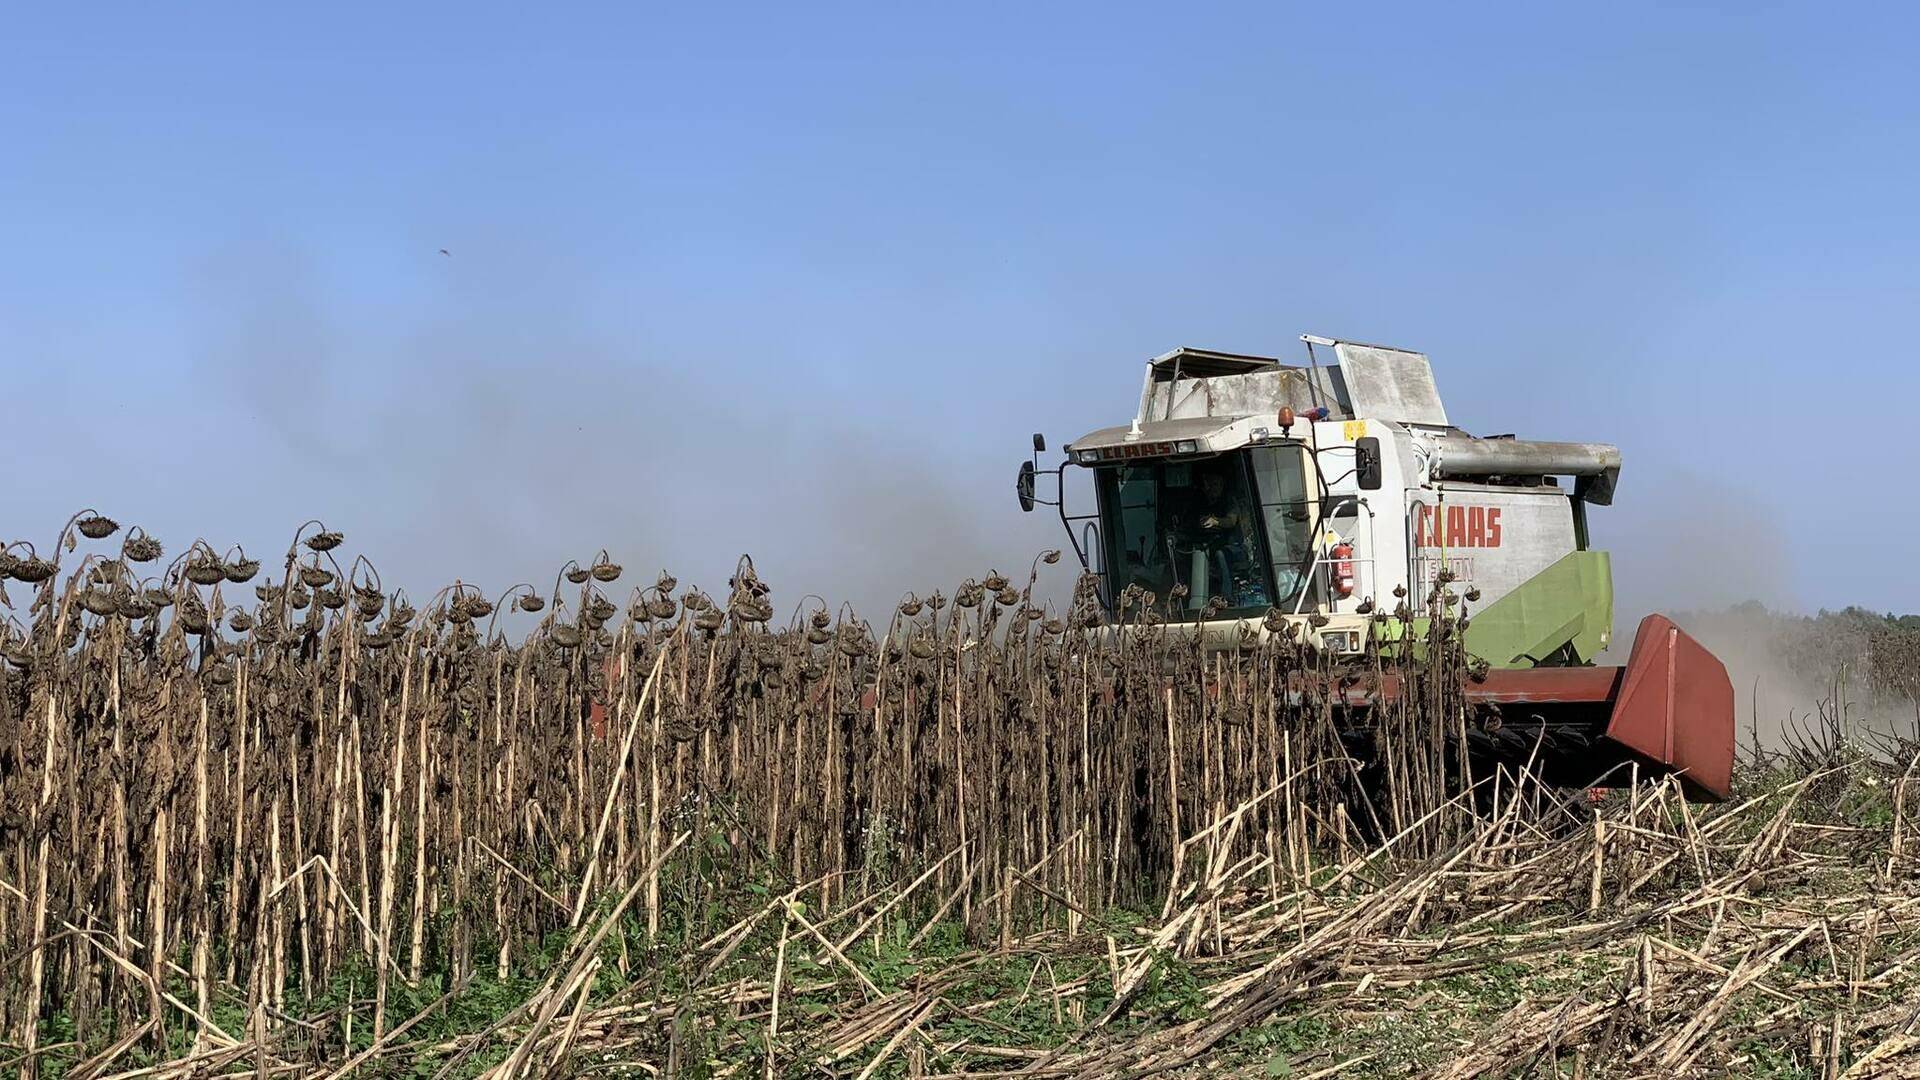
(1248, 497)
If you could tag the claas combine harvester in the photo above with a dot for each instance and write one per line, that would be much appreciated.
(1250, 496)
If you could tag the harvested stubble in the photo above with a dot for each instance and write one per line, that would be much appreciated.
(685, 840)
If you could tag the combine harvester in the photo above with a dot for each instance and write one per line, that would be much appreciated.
(1245, 487)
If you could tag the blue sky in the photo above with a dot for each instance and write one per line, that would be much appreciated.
(799, 280)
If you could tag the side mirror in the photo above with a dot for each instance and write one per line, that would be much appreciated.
(1023, 485)
(1039, 443)
(1366, 463)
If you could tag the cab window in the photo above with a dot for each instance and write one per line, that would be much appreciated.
(1286, 507)
(1192, 525)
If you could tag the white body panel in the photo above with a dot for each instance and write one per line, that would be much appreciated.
(1492, 538)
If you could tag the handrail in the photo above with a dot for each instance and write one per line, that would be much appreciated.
(1320, 548)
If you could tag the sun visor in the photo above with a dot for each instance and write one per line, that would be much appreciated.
(1155, 439)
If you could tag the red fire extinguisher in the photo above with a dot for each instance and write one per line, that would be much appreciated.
(1343, 580)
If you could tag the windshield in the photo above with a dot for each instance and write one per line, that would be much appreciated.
(1219, 528)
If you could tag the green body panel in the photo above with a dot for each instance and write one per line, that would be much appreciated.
(1567, 606)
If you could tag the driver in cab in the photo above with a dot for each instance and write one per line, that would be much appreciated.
(1217, 513)
(1212, 517)
(1215, 520)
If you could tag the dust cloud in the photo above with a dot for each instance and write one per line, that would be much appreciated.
(491, 441)
(1707, 556)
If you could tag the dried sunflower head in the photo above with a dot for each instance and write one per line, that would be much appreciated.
(667, 583)
(240, 621)
(531, 602)
(205, 570)
(579, 576)
(242, 570)
(95, 527)
(753, 610)
(695, 600)
(324, 541)
(710, 620)
(1050, 557)
(660, 608)
(605, 570)
(33, 570)
(315, 576)
(566, 635)
(99, 601)
(140, 547)
(299, 597)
